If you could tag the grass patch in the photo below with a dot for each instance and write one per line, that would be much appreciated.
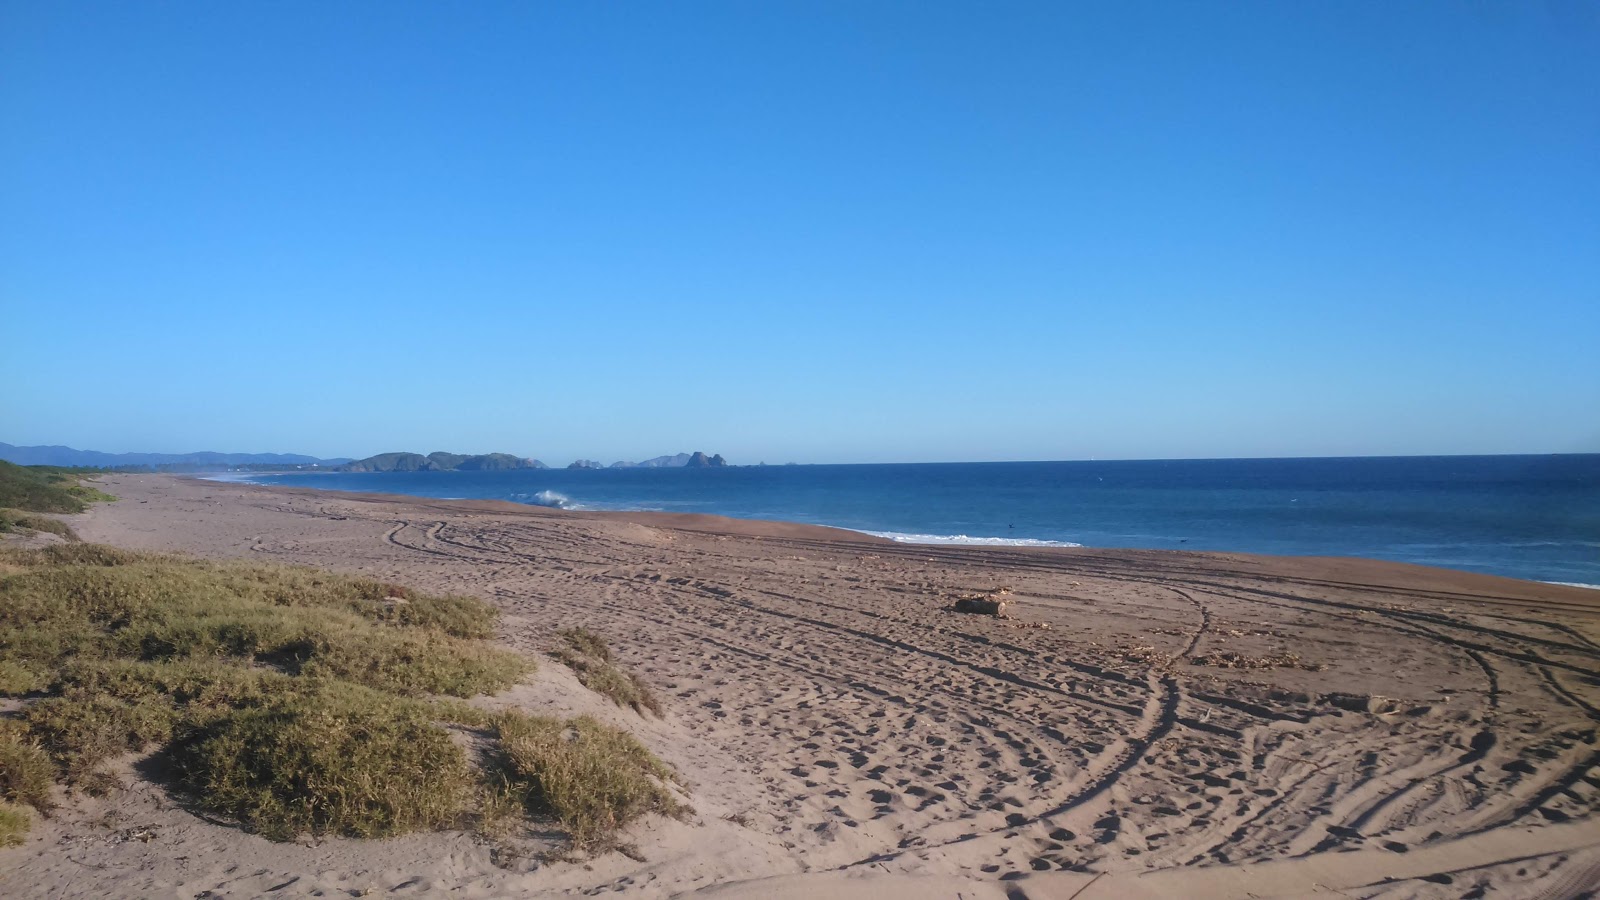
(588, 655)
(14, 824)
(26, 774)
(48, 489)
(12, 520)
(82, 731)
(336, 760)
(592, 777)
(289, 699)
(26, 779)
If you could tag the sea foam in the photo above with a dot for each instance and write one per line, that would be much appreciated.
(966, 540)
(552, 499)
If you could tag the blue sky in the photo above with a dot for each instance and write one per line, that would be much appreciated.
(829, 232)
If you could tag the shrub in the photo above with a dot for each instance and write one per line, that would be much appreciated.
(587, 643)
(26, 774)
(14, 824)
(97, 603)
(293, 700)
(16, 520)
(416, 661)
(46, 489)
(81, 732)
(76, 554)
(348, 762)
(588, 656)
(17, 679)
(594, 778)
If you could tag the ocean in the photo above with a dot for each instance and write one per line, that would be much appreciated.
(1533, 517)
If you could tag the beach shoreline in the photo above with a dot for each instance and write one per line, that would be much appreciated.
(1521, 517)
(1143, 724)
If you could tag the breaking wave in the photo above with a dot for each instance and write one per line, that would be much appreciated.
(1577, 584)
(552, 499)
(965, 540)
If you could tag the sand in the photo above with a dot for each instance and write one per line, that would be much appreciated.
(1357, 729)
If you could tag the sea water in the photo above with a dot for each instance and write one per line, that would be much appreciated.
(1535, 517)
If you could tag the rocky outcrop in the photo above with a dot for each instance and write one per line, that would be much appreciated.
(695, 460)
(585, 464)
(659, 462)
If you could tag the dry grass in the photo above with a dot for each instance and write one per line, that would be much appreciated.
(26, 773)
(82, 731)
(341, 760)
(15, 821)
(16, 520)
(587, 643)
(1228, 659)
(81, 603)
(588, 655)
(594, 778)
(292, 700)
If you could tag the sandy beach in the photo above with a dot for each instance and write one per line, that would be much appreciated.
(1145, 724)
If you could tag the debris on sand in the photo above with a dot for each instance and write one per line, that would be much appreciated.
(1228, 659)
(986, 603)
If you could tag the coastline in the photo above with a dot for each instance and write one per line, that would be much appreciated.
(1149, 721)
(1510, 550)
(731, 526)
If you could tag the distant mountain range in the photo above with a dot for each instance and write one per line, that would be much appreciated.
(439, 461)
(66, 456)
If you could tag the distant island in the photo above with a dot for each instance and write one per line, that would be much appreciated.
(695, 460)
(440, 461)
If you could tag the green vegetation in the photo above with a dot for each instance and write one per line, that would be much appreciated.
(336, 760)
(26, 775)
(290, 699)
(48, 489)
(15, 520)
(14, 824)
(587, 654)
(594, 778)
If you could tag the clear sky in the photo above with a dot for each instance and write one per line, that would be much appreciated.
(828, 232)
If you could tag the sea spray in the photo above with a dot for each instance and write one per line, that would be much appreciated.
(552, 499)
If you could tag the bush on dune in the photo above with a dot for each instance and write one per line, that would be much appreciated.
(26, 774)
(594, 778)
(46, 489)
(291, 700)
(343, 761)
(15, 821)
(14, 520)
(589, 657)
